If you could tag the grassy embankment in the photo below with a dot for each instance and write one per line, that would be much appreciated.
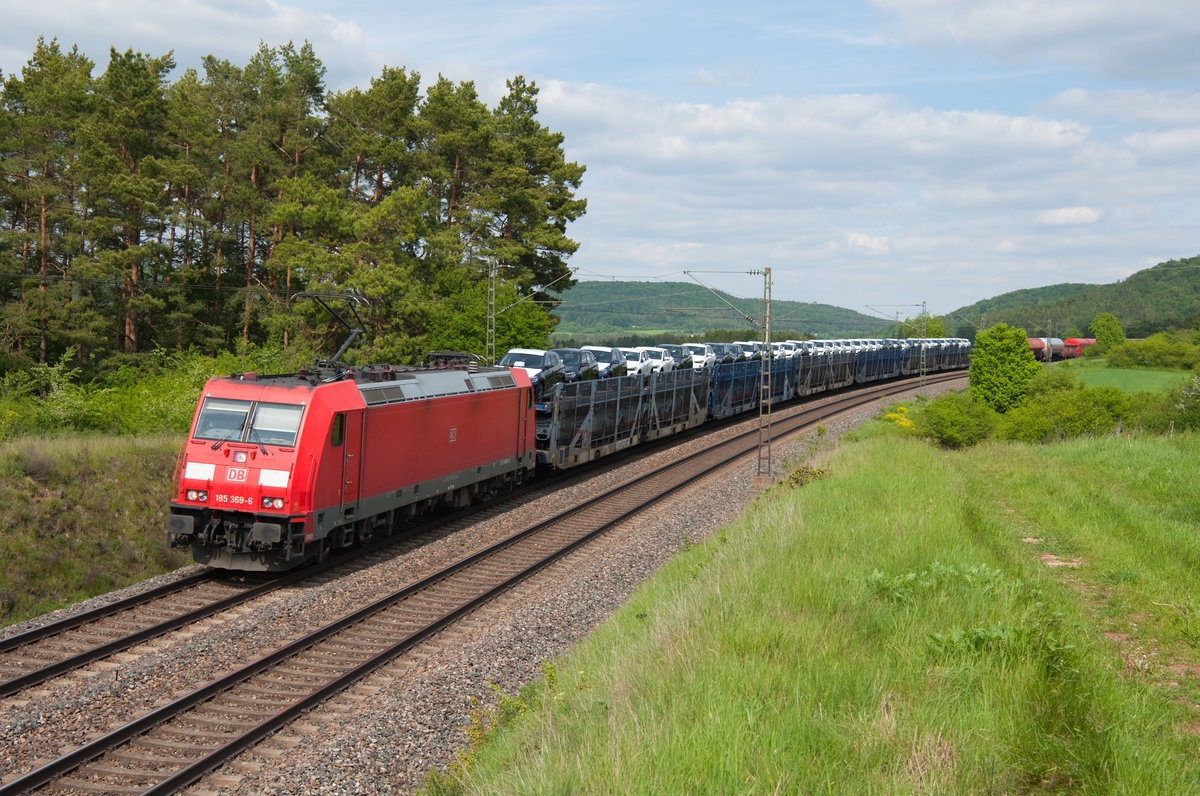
(1010, 618)
(80, 516)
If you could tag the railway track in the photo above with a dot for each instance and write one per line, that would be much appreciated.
(177, 744)
(29, 658)
(48, 651)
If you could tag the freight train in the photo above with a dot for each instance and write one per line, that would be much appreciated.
(282, 469)
(1046, 349)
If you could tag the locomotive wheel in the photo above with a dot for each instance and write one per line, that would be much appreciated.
(323, 550)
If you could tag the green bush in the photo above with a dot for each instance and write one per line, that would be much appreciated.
(1151, 412)
(147, 393)
(1002, 367)
(1052, 380)
(1062, 414)
(1184, 404)
(1156, 351)
(957, 421)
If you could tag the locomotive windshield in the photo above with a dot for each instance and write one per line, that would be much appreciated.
(276, 424)
(225, 419)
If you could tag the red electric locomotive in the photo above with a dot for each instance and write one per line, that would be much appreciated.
(281, 469)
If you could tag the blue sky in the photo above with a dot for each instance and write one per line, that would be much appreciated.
(876, 154)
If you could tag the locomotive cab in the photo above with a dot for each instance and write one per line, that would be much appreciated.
(235, 489)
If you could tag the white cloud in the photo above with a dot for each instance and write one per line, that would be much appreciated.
(1169, 146)
(191, 29)
(1151, 38)
(1135, 106)
(719, 79)
(841, 194)
(1070, 216)
(868, 244)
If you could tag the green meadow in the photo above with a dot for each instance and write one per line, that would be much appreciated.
(1097, 373)
(1007, 618)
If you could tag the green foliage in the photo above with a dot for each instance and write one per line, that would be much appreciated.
(1051, 380)
(924, 325)
(1002, 367)
(1063, 414)
(899, 416)
(1155, 401)
(957, 420)
(1107, 330)
(461, 324)
(145, 215)
(804, 474)
(939, 654)
(145, 394)
(1183, 405)
(1158, 351)
(939, 581)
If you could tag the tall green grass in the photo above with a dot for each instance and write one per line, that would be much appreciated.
(80, 516)
(891, 628)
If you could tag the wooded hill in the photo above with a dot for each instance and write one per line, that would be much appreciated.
(1166, 296)
(1163, 297)
(611, 310)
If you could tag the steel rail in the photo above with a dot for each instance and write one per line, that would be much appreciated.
(34, 676)
(70, 622)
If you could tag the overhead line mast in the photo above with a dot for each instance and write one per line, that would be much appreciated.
(764, 390)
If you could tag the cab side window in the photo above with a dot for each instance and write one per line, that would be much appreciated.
(338, 431)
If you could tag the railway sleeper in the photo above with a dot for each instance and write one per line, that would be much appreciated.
(222, 724)
(135, 765)
(178, 748)
(91, 786)
(256, 703)
(103, 770)
(238, 711)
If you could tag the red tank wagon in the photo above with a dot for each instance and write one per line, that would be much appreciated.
(281, 469)
(1075, 346)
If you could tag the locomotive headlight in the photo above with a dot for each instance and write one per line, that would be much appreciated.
(272, 503)
(239, 457)
(200, 495)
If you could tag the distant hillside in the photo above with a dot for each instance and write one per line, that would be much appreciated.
(1024, 299)
(609, 311)
(1165, 296)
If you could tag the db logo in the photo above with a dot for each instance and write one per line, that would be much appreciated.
(236, 474)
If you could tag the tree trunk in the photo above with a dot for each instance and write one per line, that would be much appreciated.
(43, 270)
